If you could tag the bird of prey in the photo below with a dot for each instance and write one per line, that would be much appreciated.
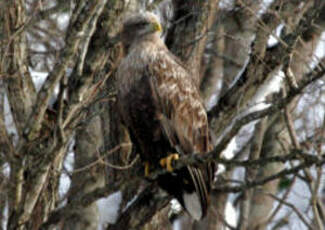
(162, 110)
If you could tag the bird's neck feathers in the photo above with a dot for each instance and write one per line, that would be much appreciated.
(147, 42)
(145, 50)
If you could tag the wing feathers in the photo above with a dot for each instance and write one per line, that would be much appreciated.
(200, 187)
(178, 100)
(184, 121)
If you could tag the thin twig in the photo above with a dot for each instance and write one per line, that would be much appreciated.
(291, 129)
(284, 197)
(101, 161)
(293, 208)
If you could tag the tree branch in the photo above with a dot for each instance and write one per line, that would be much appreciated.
(78, 30)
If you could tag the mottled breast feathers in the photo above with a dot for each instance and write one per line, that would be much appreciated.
(178, 104)
(163, 111)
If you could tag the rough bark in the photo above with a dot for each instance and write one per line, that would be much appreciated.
(239, 31)
(20, 88)
(87, 176)
(261, 204)
(188, 42)
(250, 174)
(142, 209)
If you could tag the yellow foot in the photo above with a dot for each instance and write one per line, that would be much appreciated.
(146, 168)
(167, 161)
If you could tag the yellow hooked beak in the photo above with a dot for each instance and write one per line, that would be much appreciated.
(156, 27)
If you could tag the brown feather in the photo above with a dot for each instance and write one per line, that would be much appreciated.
(162, 108)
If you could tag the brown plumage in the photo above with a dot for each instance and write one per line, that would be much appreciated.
(163, 111)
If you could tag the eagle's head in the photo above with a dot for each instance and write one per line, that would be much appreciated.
(138, 26)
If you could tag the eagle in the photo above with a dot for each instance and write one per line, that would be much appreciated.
(161, 107)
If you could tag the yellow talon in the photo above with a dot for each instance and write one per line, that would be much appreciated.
(146, 168)
(167, 161)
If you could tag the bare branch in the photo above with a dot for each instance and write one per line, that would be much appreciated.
(77, 31)
(293, 207)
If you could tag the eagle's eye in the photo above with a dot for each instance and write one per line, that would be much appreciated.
(141, 24)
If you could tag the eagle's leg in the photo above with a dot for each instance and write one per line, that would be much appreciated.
(167, 161)
(146, 168)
